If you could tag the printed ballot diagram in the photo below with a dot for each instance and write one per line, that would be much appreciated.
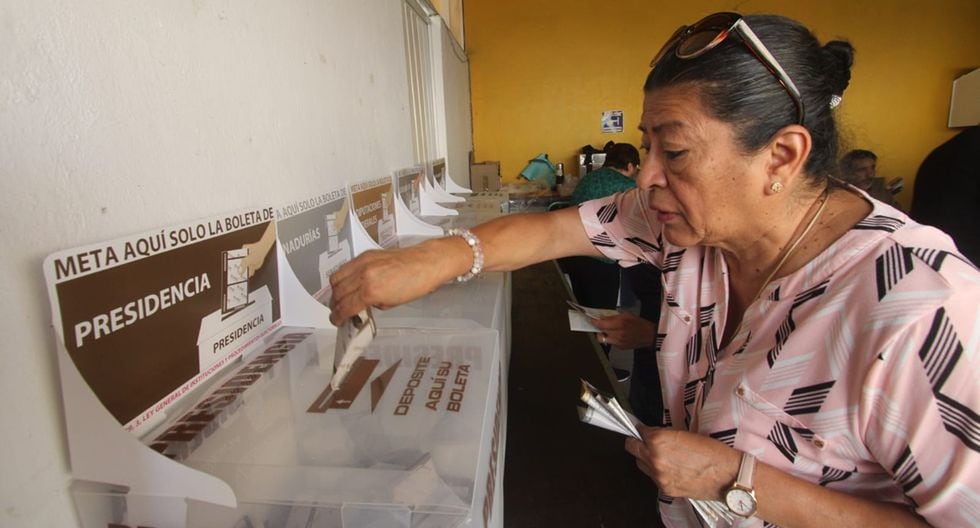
(409, 182)
(146, 318)
(234, 286)
(374, 207)
(316, 237)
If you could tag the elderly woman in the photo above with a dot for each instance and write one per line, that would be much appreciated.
(817, 348)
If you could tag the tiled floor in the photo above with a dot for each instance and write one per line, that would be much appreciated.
(560, 472)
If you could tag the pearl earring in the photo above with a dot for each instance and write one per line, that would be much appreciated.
(776, 187)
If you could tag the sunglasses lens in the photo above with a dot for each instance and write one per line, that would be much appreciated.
(706, 34)
(699, 42)
(668, 45)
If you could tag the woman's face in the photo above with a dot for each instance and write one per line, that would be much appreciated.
(699, 183)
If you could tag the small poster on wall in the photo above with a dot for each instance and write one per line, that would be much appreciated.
(612, 121)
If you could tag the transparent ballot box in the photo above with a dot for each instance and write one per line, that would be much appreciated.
(484, 300)
(407, 440)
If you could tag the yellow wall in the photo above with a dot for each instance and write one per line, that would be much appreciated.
(542, 71)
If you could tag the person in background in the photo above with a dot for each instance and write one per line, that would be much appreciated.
(626, 330)
(595, 281)
(617, 174)
(818, 350)
(859, 168)
(947, 191)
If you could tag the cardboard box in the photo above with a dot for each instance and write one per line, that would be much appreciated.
(485, 176)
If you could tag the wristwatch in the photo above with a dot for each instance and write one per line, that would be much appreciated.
(740, 498)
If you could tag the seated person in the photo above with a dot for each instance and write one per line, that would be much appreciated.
(595, 282)
(858, 167)
(617, 174)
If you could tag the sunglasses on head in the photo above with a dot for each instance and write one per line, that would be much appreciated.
(692, 41)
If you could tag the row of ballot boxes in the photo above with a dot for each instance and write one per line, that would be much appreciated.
(196, 363)
(416, 440)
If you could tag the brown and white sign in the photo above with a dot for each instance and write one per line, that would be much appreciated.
(316, 239)
(146, 318)
(374, 206)
(409, 182)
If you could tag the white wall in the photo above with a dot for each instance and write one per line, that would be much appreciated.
(454, 129)
(118, 117)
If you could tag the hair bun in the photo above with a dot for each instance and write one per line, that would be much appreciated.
(840, 58)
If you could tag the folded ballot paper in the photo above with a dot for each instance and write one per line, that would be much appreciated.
(580, 317)
(604, 411)
(353, 338)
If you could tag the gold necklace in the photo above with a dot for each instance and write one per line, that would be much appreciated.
(789, 251)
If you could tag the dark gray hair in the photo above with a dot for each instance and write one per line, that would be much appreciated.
(737, 88)
(620, 155)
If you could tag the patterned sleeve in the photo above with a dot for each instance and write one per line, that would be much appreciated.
(920, 403)
(622, 228)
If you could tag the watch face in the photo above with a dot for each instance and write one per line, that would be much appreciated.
(740, 501)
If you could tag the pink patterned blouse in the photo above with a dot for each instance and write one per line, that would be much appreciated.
(858, 372)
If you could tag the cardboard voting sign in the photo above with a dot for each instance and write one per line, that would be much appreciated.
(373, 203)
(409, 182)
(315, 236)
(146, 318)
(439, 172)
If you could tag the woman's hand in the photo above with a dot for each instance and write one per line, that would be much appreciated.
(387, 278)
(626, 330)
(684, 464)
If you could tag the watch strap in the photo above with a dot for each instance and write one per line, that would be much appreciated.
(746, 470)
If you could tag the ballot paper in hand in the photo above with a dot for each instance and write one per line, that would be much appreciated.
(592, 313)
(580, 317)
(605, 412)
(353, 338)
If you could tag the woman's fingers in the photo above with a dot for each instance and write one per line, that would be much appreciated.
(381, 279)
(348, 284)
(634, 447)
(640, 451)
(626, 330)
(684, 464)
(343, 308)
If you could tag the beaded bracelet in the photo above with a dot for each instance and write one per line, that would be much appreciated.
(474, 244)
